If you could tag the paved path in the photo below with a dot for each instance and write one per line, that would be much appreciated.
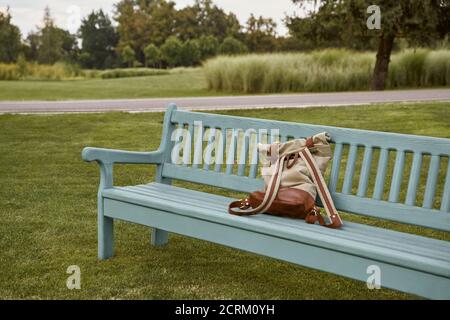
(234, 102)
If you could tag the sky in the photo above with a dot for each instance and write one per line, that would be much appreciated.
(27, 14)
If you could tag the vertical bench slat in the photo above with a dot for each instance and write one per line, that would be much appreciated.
(350, 170)
(365, 172)
(198, 147)
(334, 176)
(414, 179)
(445, 203)
(211, 139)
(231, 152)
(243, 155)
(273, 136)
(220, 149)
(255, 156)
(397, 176)
(188, 145)
(178, 137)
(381, 174)
(430, 189)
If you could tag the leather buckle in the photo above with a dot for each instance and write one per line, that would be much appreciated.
(245, 204)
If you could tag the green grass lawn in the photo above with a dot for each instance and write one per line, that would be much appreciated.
(48, 214)
(189, 83)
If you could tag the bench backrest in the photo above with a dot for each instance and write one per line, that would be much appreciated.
(404, 178)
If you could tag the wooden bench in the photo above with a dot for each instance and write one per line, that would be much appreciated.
(408, 262)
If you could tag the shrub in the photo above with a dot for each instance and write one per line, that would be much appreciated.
(407, 68)
(131, 72)
(128, 56)
(152, 55)
(33, 71)
(324, 70)
(171, 51)
(437, 68)
(232, 46)
(208, 45)
(22, 66)
(8, 72)
(290, 72)
(190, 53)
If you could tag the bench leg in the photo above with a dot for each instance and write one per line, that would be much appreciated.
(105, 234)
(159, 237)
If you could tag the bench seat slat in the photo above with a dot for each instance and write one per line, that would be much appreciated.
(219, 200)
(298, 232)
(359, 232)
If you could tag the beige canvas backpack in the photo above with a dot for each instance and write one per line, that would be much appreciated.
(293, 177)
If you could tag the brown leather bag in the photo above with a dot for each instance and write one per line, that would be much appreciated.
(293, 177)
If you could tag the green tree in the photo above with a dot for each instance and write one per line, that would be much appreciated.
(128, 56)
(323, 28)
(99, 40)
(172, 51)
(22, 66)
(190, 53)
(10, 44)
(419, 22)
(31, 46)
(208, 46)
(204, 18)
(54, 43)
(261, 34)
(143, 21)
(152, 55)
(187, 25)
(50, 44)
(232, 46)
(216, 22)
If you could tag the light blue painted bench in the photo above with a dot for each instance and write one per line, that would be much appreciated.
(407, 262)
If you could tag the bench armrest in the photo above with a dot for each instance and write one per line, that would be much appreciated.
(111, 156)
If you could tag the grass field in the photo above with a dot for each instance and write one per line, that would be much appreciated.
(48, 214)
(191, 83)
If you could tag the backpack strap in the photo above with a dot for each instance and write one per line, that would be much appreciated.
(323, 191)
(269, 196)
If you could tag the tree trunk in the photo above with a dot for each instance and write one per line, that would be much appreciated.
(380, 71)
